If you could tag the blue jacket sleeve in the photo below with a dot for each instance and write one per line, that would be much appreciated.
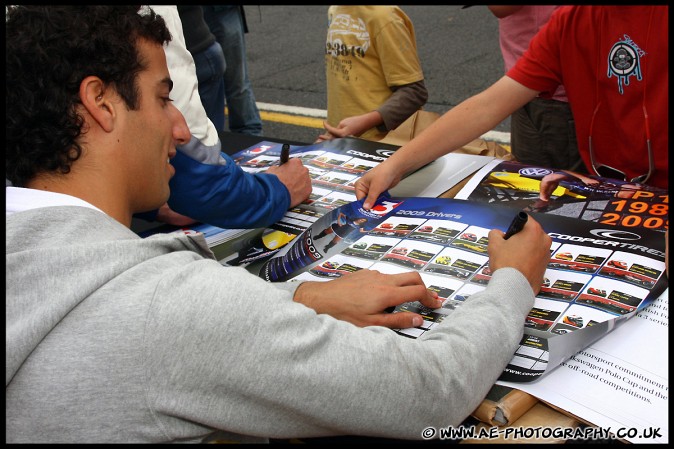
(209, 187)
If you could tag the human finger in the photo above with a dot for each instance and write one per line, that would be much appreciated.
(330, 129)
(323, 138)
(546, 190)
(416, 291)
(398, 320)
(411, 293)
(366, 188)
(362, 186)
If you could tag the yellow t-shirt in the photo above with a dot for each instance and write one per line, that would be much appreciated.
(368, 49)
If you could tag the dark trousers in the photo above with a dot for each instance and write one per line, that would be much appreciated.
(543, 133)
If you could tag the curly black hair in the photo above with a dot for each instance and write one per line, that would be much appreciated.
(50, 50)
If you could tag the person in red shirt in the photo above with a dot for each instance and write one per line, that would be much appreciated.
(613, 62)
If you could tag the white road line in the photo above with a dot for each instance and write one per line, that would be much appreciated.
(295, 110)
(495, 136)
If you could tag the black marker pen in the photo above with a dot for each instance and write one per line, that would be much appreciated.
(517, 225)
(285, 153)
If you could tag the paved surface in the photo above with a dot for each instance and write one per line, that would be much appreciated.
(458, 48)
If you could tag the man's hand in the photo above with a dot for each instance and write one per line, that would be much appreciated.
(167, 215)
(362, 297)
(295, 176)
(528, 251)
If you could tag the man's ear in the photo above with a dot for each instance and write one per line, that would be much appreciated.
(97, 100)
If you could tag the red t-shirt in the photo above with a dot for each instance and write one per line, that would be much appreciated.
(614, 63)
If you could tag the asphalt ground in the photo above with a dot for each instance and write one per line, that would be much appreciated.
(458, 49)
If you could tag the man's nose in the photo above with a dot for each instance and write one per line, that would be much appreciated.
(181, 132)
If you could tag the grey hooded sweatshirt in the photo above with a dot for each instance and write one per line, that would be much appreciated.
(116, 339)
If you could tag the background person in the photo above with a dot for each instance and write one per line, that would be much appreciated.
(209, 61)
(121, 339)
(208, 186)
(613, 62)
(228, 24)
(374, 77)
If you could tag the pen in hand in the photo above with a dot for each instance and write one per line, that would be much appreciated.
(517, 224)
(285, 153)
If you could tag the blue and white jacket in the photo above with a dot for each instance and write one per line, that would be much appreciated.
(208, 186)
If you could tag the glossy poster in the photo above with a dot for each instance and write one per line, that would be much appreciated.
(597, 277)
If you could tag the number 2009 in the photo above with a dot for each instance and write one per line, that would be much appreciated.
(631, 221)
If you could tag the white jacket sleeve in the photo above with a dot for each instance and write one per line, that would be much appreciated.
(185, 93)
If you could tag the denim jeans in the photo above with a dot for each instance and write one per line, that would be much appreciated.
(226, 23)
(210, 65)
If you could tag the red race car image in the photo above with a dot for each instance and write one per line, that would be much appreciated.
(469, 236)
(564, 256)
(606, 304)
(597, 291)
(617, 264)
(629, 277)
(573, 320)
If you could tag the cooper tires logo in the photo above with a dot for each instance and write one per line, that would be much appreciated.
(384, 153)
(615, 234)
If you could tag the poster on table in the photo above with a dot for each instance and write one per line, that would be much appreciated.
(334, 167)
(597, 277)
(610, 202)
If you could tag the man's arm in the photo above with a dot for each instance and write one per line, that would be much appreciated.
(346, 298)
(220, 193)
(441, 377)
